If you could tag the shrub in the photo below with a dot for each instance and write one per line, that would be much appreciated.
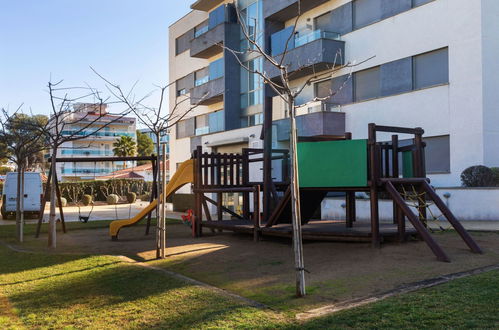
(64, 202)
(131, 197)
(87, 199)
(477, 176)
(112, 199)
(145, 197)
(495, 172)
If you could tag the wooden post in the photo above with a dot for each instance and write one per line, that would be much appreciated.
(153, 193)
(256, 214)
(350, 199)
(245, 177)
(420, 172)
(198, 208)
(374, 168)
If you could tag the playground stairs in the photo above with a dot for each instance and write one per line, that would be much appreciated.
(418, 190)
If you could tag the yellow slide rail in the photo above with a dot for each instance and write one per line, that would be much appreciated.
(183, 176)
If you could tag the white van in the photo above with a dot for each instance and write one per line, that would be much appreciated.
(33, 194)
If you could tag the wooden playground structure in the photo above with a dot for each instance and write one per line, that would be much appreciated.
(342, 165)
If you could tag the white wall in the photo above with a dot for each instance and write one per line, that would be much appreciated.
(465, 203)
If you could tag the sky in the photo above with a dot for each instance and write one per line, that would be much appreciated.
(125, 40)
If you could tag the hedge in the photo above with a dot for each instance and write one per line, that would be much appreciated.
(74, 191)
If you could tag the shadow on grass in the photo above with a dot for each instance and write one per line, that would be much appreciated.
(125, 296)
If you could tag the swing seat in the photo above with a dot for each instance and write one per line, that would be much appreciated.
(84, 219)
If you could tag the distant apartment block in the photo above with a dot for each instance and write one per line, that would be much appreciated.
(432, 64)
(164, 139)
(98, 141)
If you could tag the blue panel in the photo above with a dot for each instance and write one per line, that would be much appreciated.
(216, 17)
(279, 39)
(217, 69)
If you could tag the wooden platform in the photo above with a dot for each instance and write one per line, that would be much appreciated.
(314, 230)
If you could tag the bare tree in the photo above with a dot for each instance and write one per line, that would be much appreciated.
(158, 119)
(67, 123)
(18, 135)
(285, 67)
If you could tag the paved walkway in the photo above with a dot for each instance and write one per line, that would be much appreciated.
(101, 212)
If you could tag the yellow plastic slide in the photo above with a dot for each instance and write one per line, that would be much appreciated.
(183, 176)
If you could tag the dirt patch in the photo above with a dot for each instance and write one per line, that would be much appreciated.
(264, 271)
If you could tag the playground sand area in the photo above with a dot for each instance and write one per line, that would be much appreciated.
(264, 271)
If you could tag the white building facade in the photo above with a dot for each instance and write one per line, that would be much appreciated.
(418, 63)
(101, 130)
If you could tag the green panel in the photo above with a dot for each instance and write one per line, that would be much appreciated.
(333, 164)
(407, 165)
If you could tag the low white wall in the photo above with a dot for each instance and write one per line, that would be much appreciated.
(465, 203)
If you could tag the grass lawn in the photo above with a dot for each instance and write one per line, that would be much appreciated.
(77, 291)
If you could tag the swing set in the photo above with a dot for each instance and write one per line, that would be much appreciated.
(76, 195)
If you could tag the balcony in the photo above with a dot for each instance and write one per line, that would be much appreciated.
(220, 27)
(313, 52)
(209, 93)
(86, 152)
(283, 10)
(313, 125)
(89, 135)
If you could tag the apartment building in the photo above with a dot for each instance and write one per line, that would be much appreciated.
(101, 130)
(426, 63)
(164, 139)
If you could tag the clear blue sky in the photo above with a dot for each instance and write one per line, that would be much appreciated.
(126, 40)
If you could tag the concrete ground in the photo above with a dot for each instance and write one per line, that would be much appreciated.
(100, 212)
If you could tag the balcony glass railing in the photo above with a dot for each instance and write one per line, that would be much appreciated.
(315, 35)
(86, 152)
(100, 133)
(86, 171)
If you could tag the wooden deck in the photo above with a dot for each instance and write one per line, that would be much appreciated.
(314, 230)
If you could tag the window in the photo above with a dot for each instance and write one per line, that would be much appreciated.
(366, 12)
(431, 69)
(183, 43)
(217, 17)
(202, 125)
(216, 121)
(323, 89)
(181, 92)
(185, 128)
(323, 22)
(367, 84)
(201, 76)
(251, 13)
(251, 84)
(437, 154)
(201, 29)
(216, 69)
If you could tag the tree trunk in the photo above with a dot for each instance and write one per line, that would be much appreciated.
(295, 203)
(19, 203)
(52, 241)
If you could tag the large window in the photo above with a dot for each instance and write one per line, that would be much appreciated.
(367, 84)
(201, 29)
(437, 154)
(323, 89)
(251, 83)
(251, 13)
(185, 128)
(431, 69)
(210, 123)
(366, 12)
(183, 43)
(216, 69)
